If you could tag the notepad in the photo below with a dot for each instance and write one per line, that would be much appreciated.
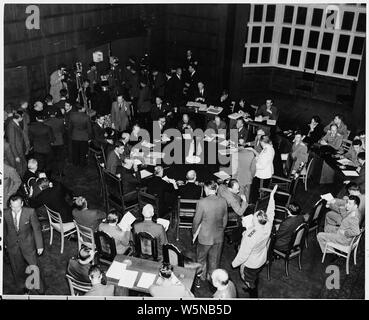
(164, 222)
(144, 174)
(222, 175)
(346, 162)
(235, 115)
(128, 278)
(126, 222)
(327, 197)
(146, 280)
(350, 173)
(116, 270)
(187, 136)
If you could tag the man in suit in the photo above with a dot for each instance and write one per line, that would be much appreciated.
(127, 147)
(346, 230)
(341, 127)
(211, 217)
(78, 268)
(158, 83)
(31, 174)
(352, 153)
(268, 111)
(153, 228)
(217, 124)
(129, 174)
(80, 133)
(144, 105)
(57, 82)
(54, 196)
(314, 132)
(159, 109)
(25, 123)
(60, 105)
(23, 241)
(186, 124)
(120, 114)
(360, 180)
(69, 110)
(190, 190)
(201, 94)
(41, 138)
(89, 218)
(242, 131)
(289, 225)
(175, 86)
(12, 182)
(234, 195)
(100, 137)
(332, 138)
(299, 154)
(98, 289)
(134, 89)
(192, 80)
(15, 137)
(92, 75)
(115, 158)
(164, 188)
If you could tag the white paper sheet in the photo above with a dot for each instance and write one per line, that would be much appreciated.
(116, 270)
(126, 222)
(271, 122)
(346, 162)
(146, 280)
(137, 162)
(284, 156)
(258, 119)
(327, 196)
(144, 174)
(235, 115)
(222, 175)
(214, 110)
(128, 278)
(224, 143)
(164, 222)
(350, 173)
(187, 136)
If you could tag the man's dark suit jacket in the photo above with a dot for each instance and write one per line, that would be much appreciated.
(55, 199)
(175, 89)
(130, 182)
(60, 104)
(190, 123)
(144, 100)
(98, 136)
(78, 271)
(243, 134)
(89, 218)
(360, 180)
(14, 134)
(212, 125)
(315, 135)
(197, 94)
(156, 113)
(41, 137)
(30, 175)
(190, 191)
(285, 231)
(134, 85)
(113, 162)
(27, 239)
(262, 111)
(159, 85)
(80, 126)
(57, 126)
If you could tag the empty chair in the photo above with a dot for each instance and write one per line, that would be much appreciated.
(65, 229)
(344, 251)
(295, 247)
(186, 209)
(305, 174)
(172, 255)
(77, 287)
(85, 236)
(146, 246)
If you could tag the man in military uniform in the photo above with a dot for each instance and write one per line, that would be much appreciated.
(332, 138)
(252, 254)
(341, 127)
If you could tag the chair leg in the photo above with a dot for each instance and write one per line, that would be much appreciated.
(286, 267)
(51, 235)
(348, 263)
(177, 232)
(355, 251)
(325, 251)
(62, 243)
(299, 261)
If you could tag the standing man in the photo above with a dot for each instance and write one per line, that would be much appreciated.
(23, 240)
(80, 133)
(211, 217)
(120, 114)
(144, 105)
(253, 250)
(57, 82)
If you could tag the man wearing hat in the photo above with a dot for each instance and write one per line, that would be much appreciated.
(153, 228)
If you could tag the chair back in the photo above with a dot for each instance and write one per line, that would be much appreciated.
(346, 144)
(316, 213)
(172, 255)
(77, 287)
(145, 198)
(186, 209)
(54, 219)
(308, 168)
(105, 246)
(355, 241)
(85, 236)
(297, 240)
(282, 201)
(146, 246)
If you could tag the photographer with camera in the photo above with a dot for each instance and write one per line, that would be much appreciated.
(58, 82)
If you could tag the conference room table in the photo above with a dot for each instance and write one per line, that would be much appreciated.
(149, 269)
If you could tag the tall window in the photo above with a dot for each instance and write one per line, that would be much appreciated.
(326, 39)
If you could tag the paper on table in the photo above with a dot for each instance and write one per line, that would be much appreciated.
(144, 174)
(165, 138)
(126, 221)
(150, 161)
(146, 280)
(235, 115)
(203, 107)
(271, 122)
(259, 119)
(196, 233)
(346, 162)
(327, 197)
(164, 222)
(222, 175)
(128, 278)
(156, 154)
(350, 173)
(116, 270)
(186, 136)
(284, 156)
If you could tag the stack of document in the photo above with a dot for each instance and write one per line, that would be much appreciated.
(271, 122)
(146, 280)
(116, 270)
(214, 110)
(187, 136)
(259, 119)
(128, 278)
(222, 175)
(346, 162)
(156, 154)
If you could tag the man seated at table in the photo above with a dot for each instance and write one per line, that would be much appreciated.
(201, 94)
(234, 196)
(288, 226)
(217, 124)
(314, 132)
(153, 228)
(169, 287)
(341, 127)
(78, 268)
(225, 287)
(164, 188)
(332, 138)
(111, 228)
(98, 289)
(338, 209)
(191, 189)
(299, 154)
(256, 143)
(268, 111)
(242, 131)
(128, 173)
(186, 124)
(127, 147)
(354, 150)
(100, 137)
(360, 180)
(348, 228)
(89, 218)
(115, 158)
(160, 109)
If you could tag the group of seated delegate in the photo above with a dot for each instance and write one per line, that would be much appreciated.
(38, 141)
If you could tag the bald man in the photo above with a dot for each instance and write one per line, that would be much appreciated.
(225, 287)
(190, 190)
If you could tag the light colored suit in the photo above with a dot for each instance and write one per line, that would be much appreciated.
(264, 163)
(55, 86)
(120, 116)
(299, 153)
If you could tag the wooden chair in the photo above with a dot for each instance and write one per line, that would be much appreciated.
(305, 174)
(282, 201)
(115, 195)
(186, 209)
(315, 217)
(146, 246)
(77, 287)
(344, 251)
(97, 151)
(145, 198)
(85, 236)
(106, 248)
(65, 229)
(295, 247)
(172, 255)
